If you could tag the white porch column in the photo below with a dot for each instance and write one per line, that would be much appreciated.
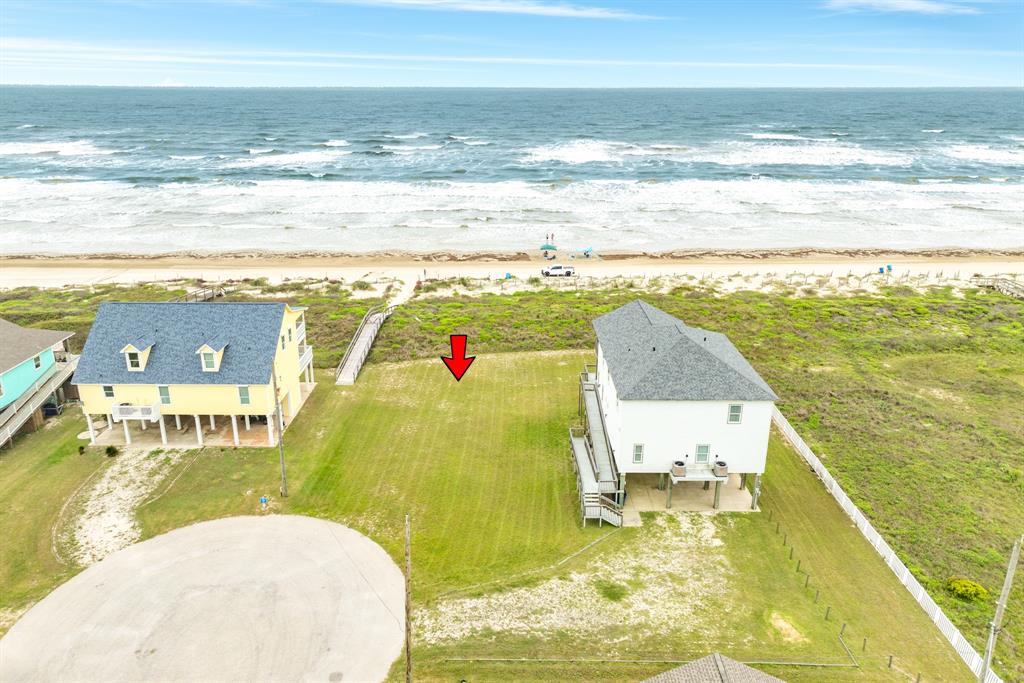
(309, 374)
(110, 421)
(291, 410)
(234, 429)
(127, 436)
(177, 422)
(163, 431)
(247, 422)
(143, 423)
(270, 430)
(92, 432)
(280, 411)
(199, 430)
(213, 425)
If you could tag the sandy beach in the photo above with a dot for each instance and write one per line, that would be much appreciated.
(63, 271)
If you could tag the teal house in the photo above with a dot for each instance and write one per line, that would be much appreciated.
(28, 358)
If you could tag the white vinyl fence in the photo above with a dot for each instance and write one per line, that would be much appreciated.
(935, 613)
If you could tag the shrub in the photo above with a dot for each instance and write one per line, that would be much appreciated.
(611, 590)
(965, 589)
(361, 285)
(81, 450)
(111, 451)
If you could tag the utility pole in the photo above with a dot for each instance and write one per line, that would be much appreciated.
(408, 605)
(280, 433)
(996, 623)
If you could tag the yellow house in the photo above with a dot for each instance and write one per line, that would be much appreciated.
(187, 366)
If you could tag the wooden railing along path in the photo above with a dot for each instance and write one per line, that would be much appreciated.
(362, 341)
(1001, 284)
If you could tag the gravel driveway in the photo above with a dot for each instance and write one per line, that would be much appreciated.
(275, 598)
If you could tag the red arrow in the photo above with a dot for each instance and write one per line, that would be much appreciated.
(458, 363)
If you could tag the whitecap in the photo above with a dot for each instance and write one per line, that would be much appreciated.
(335, 143)
(261, 150)
(775, 136)
(186, 157)
(986, 154)
(933, 130)
(59, 148)
(269, 139)
(408, 136)
(293, 159)
(28, 125)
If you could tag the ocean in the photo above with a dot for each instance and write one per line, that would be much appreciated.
(91, 170)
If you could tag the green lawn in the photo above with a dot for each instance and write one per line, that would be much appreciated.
(37, 476)
(482, 467)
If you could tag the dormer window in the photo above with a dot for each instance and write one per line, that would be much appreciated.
(136, 354)
(211, 355)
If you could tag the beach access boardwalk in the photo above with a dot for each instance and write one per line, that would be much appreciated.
(362, 341)
(596, 476)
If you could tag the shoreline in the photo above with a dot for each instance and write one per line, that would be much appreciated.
(497, 255)
(59, 271)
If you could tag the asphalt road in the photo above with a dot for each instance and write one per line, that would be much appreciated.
(275, 598)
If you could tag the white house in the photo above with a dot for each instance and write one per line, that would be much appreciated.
(670, 400)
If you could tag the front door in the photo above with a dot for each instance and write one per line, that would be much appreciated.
(702, 458)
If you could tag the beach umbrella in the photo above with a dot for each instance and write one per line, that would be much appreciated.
(548, 247)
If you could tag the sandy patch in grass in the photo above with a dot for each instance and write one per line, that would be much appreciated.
(107, 521)
(663, 581)
(786, 629)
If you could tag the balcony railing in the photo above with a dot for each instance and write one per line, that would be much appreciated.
(300, 330)
(305, 356)
(126, 411)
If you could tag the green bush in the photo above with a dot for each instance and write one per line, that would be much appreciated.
(361, 285)
(111, 451)
(965, 589)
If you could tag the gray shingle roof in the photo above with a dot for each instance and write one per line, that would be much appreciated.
(177, 330)
(18, 344)
(714, 668)
(653, 356)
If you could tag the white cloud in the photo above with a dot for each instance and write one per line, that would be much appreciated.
(28, 51)
(915, 6)
(532, 7)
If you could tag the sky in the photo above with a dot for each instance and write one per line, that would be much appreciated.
(514, 43)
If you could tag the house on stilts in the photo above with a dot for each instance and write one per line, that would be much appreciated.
(668, 411)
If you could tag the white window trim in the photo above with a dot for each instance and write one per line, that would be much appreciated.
(160, 396)
(282, 342)
(37, 362)
(696, 454)
(248, 395)
(128, 361)
(638, 450)
(728, 417)
(213, 361)
(103, 388)
(1, 387)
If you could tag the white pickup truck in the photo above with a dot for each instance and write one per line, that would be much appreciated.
(557, 270)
